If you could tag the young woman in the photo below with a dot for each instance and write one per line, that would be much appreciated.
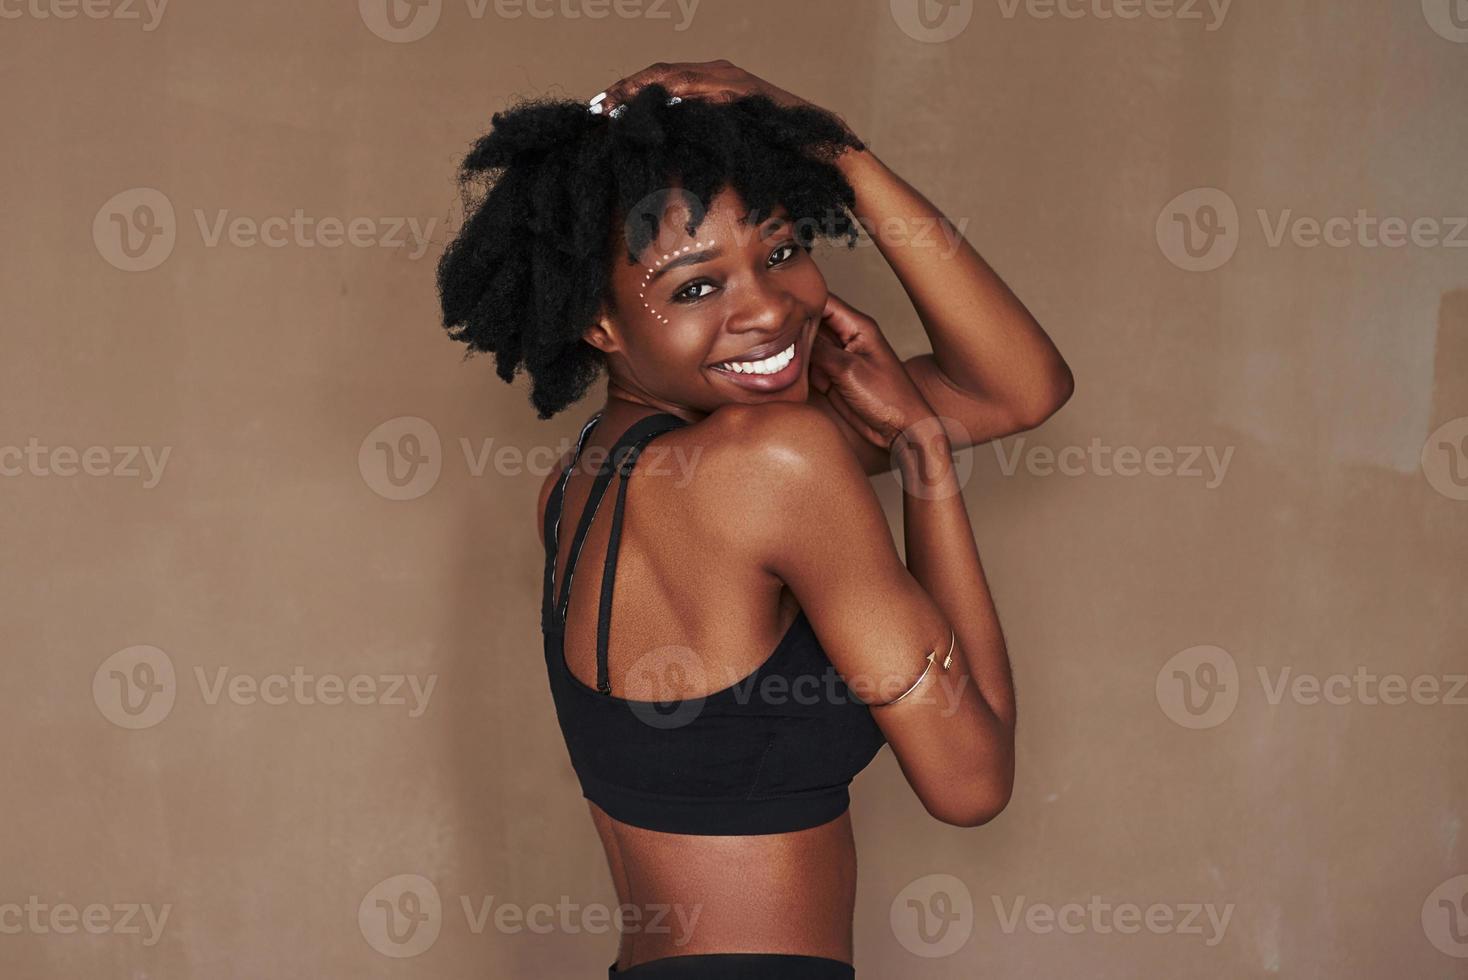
(766, 639)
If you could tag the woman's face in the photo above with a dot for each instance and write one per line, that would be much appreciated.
(727, 314)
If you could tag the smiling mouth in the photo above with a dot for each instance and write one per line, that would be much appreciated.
(769, 365)
(765, 361)
(770, 372)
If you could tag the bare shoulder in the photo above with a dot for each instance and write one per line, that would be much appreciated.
(767, 471)
(780, 440)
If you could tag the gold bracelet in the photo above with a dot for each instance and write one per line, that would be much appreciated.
(947, 662)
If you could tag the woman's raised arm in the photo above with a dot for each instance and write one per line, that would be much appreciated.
(992, 368)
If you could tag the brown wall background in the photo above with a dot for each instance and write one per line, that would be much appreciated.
(1151, 616)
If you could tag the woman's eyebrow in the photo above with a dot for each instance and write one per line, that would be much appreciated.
(691, 258)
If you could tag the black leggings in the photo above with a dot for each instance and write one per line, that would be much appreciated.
(737, 966)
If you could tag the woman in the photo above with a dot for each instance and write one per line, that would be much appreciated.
(766, 638)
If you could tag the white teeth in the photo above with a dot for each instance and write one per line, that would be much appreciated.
(770, 365)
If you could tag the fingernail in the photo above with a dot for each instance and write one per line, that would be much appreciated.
(598, 97)
(596, 110)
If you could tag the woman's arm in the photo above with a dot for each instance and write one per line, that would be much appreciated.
(804, 510)
(942, 556)
(992, 369)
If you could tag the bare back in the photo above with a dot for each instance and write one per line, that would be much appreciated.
(683, 580)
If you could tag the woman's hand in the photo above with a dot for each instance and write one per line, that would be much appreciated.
(715, 81)
(852, 364)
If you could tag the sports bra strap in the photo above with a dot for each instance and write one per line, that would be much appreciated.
(621, 456)
(614, 542)
(551, 526)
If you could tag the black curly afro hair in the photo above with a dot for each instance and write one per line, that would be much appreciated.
(531, 266)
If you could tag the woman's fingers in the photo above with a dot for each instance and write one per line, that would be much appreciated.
(826, 353)
(852, 417)
(682, 78)
(844, 320)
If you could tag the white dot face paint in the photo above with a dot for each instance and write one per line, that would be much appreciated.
(642, 287)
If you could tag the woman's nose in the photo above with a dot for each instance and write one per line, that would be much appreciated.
(766, 310)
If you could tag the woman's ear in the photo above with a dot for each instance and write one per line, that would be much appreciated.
(604, 333)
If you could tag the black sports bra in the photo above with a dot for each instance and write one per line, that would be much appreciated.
(771, 753)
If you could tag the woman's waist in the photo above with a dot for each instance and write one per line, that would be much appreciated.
(791, 892)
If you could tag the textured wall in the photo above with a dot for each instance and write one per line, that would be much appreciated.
(253, 679)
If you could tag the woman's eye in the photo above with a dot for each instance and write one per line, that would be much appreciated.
(687, 294)
(683, 295)
(787, 245)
